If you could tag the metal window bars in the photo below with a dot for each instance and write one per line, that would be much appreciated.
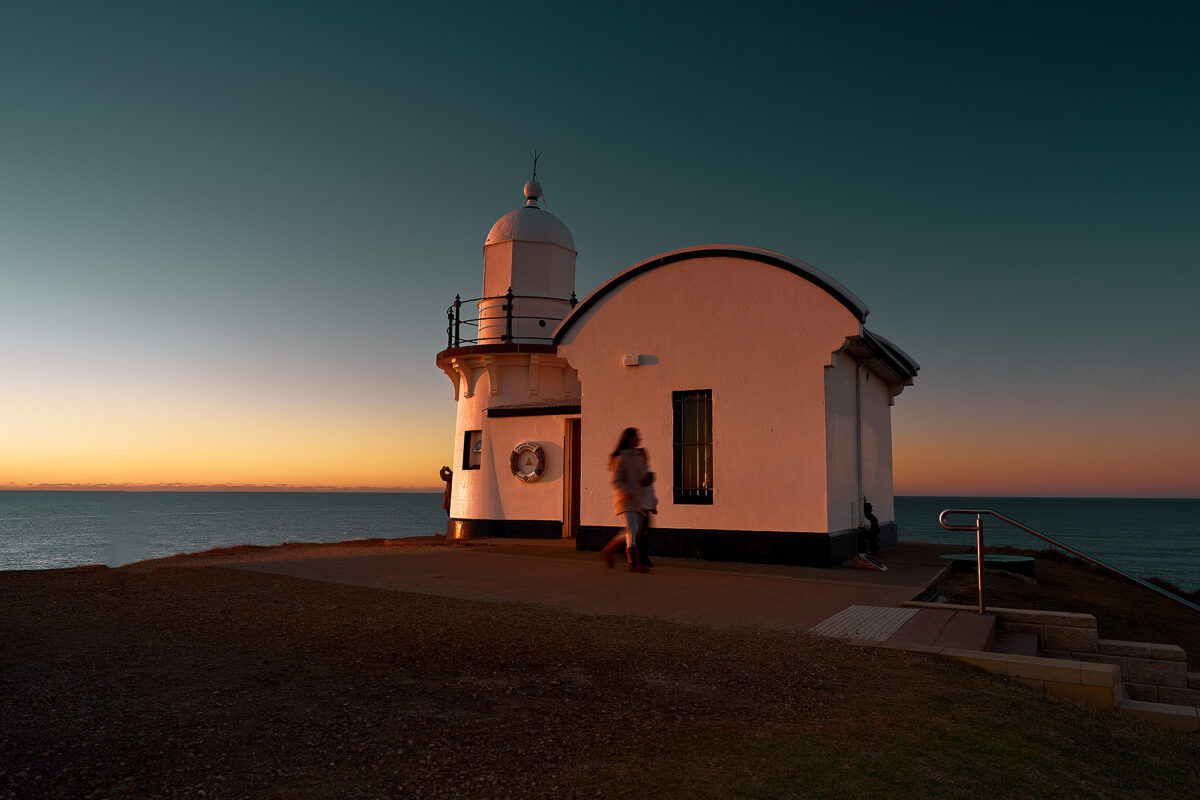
(693, 447)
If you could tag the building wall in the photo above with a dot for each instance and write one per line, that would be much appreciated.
(877, 446)
(474, 494)
(492, 492)
(541, 499)
(535, 269)
(841, 459)
(759, 337)
(874, 399)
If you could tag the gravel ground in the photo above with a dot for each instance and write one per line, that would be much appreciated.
(218, 683)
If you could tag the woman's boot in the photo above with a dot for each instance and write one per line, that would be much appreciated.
(613, 545)
(634, 564)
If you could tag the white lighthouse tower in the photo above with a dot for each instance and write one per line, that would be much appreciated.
(517, 428)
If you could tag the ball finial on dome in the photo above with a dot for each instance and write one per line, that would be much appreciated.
(533, 190)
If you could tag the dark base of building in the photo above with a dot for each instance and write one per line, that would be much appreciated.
(756, 547)
(503, 529)
(889, 534)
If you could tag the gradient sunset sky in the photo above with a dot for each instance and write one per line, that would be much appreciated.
(229, 231)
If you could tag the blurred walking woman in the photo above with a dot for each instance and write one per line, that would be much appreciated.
(627, 468)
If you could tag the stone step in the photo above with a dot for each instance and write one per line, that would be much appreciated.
(1163, 694)
(1157, 652)
(1179, 697)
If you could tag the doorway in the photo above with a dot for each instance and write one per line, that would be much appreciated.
(571, 471)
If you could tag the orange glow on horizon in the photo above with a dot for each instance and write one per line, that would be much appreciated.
(1047, 461)
(133, 438)
(196, 444)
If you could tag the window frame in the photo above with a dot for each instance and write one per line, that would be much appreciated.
(466, 459)
(690, 445)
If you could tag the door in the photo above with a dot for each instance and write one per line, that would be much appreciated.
(571, 472)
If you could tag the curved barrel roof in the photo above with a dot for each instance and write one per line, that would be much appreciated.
(806, 271)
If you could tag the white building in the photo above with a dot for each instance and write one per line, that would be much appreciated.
(762, 400)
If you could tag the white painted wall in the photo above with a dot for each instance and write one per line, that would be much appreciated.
(474, 494)
(845, 510)
(755, 334)
(840, 458)
(542, 499)
(534, 269)
(492, 492)
(877, 446)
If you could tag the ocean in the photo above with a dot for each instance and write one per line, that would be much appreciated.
(1146, 538)
(45, 530)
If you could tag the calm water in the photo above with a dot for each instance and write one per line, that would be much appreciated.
(1142, 537)
(40, 530)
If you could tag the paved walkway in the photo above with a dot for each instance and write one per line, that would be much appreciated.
(682, 590)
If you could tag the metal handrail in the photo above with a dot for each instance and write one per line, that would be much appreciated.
(978, 528)
(454, 320)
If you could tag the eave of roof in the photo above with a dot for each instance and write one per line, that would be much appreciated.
(554, 408)
(882, 357)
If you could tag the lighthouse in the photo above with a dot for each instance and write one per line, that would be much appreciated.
(762, 400)
(517, 422)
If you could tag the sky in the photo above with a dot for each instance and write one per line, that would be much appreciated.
(229, 231)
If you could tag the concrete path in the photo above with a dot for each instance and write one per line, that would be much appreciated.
(680, 590)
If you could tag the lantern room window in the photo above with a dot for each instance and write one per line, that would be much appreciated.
(693, 447)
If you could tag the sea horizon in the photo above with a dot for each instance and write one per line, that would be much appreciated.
(56, 528)
(217, 488)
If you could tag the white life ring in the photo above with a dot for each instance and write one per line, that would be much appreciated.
(527, 462)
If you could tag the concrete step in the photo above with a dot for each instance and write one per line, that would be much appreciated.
(1017, 644)
(1181, 718)
(955, 629)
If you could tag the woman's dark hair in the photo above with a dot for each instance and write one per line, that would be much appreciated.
(628, 437)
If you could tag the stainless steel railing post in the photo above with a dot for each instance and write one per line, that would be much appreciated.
(978, 528)
(979, 558)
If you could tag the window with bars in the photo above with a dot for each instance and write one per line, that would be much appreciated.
(693, 449)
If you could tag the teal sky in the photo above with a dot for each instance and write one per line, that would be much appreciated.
(229, 231)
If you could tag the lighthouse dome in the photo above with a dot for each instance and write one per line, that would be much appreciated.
(531, 224)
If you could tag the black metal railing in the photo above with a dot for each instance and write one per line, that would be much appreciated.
(455, 321)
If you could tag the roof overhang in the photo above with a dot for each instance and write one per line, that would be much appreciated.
(535, 410)
(882, 357)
